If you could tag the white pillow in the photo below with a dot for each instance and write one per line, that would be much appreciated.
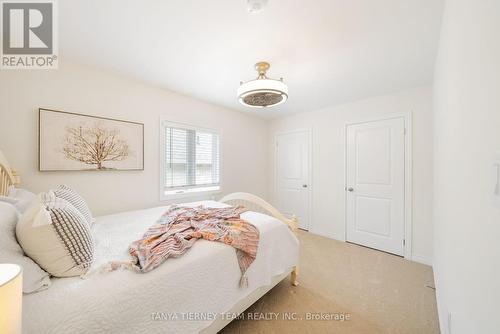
(10, 200)
(56, 236)
(34, 278)
(20, 198)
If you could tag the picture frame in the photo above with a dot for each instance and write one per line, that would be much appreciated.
(70, 141)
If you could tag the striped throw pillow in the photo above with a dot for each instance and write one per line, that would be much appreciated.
(67, 193)
(56, 236)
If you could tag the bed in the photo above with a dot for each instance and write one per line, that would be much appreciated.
(196, 293)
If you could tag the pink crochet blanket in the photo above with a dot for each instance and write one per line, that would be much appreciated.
(179, 228)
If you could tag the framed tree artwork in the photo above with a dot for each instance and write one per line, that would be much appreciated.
(69, 141)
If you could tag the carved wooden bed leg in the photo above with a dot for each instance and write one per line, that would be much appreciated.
(295, 272)
(294, 275)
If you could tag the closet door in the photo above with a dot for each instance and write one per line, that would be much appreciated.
(375, 165)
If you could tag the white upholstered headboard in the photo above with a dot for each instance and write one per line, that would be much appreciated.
(7, 176)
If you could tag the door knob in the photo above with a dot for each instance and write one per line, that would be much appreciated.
(304, 186)
(350, 189)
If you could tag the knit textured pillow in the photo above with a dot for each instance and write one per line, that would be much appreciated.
(56, 236)
(67, 193)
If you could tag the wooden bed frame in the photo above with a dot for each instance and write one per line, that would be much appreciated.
(251, 202)
(257, 204)
(8, 177)
(254, 203)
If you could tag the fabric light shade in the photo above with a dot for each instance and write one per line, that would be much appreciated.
(11, 298)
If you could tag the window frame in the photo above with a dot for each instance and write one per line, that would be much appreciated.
(188, 191)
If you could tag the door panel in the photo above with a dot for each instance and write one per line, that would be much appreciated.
(373, 155)
(375, 184)
(292, 175)
(373, 215)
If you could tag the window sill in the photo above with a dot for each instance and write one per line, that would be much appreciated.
(192, 193)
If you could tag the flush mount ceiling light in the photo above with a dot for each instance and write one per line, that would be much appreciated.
(256, 6)
(262, 92)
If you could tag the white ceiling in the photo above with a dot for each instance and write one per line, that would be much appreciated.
(327, 51)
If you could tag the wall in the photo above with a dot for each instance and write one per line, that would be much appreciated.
(85, 90)
(467, 139)
(328, 161)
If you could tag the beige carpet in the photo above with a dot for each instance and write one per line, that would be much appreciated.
(382, 293)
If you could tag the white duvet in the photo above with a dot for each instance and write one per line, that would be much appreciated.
(180, 296)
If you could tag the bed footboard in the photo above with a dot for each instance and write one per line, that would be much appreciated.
(255, 203)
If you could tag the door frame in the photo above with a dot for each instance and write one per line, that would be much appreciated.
(408, 193)
(309, 132)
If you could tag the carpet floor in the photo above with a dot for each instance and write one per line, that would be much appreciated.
(346, 288)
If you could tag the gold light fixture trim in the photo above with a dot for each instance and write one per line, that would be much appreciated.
(262, 92)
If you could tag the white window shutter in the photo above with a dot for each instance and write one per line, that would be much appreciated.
(191, 158)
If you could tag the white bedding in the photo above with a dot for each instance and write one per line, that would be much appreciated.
(205, 279)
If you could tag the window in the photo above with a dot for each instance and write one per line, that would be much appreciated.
(190, 159)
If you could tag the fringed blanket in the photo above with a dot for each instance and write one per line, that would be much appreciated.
(179, 228)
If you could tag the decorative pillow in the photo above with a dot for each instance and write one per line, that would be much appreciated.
(56, 236)
(34, 278)
(76, 200)
(20, 198)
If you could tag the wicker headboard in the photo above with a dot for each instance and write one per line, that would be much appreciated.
(7, 176)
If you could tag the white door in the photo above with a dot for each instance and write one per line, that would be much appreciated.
(375, 212)
(292, 175)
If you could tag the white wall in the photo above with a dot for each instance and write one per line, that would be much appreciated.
(467, 138)
(328, 161)
(85, 90)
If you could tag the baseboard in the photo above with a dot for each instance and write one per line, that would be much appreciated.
(422, 259)
(329, 236)
(415, 257)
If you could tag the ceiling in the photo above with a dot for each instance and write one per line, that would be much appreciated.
(328, 51)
